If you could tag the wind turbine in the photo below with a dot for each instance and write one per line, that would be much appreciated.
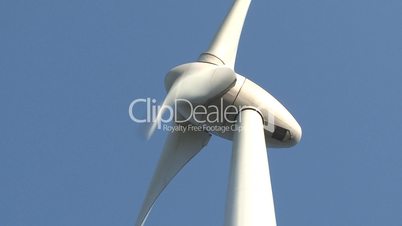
(260, 119)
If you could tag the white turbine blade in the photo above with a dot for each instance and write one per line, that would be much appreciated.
(180, 148)
(168, 102)
(197, 87)
(223, 49)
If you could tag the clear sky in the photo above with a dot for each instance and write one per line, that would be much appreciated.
(69, 154)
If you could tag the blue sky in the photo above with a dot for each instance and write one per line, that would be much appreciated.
(69, 154)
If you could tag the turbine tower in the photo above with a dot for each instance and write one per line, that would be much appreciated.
(259, 120)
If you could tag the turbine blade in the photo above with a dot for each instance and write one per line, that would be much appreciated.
(168, 102)
(223, 49)
(180, 148)
(197, 87)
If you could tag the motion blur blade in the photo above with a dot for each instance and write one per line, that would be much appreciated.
(197, 85)
(168, 102)
(180, 148)
(223, 49)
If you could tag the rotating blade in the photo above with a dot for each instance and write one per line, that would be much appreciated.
(197, 86)
(180, 148)
(223, 49)
(168, 102)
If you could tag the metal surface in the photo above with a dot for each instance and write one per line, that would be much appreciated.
(249, 200)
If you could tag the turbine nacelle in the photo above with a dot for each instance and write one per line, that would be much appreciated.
(213, 95)
(281, 128)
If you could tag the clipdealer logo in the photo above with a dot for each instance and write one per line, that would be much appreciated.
(214, 118)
